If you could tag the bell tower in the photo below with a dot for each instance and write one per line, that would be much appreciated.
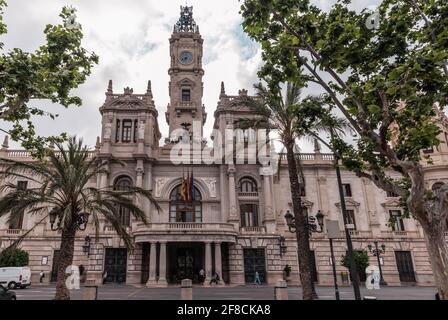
(186, 87)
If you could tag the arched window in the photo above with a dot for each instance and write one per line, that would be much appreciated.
(248, 184)
(183, 210)
(123, 183)
(436, 186)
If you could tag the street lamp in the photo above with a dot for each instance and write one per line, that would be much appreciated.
(86, 246)
(310, 223)
(55, 220)
(377, 253)
(282, 245)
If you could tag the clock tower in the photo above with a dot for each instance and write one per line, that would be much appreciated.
(186, 87)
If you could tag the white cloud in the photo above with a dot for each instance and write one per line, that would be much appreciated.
(131, 39)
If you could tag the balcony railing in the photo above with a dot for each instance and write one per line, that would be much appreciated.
(185, 227)
(258, 229)
(358, 234)
(400, 234)
(11, 232)
(248, 194)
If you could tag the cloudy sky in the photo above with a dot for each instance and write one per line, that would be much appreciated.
(131, 39)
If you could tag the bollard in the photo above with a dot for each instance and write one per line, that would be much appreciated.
(90, 290)
(281, 290)
(186, 291)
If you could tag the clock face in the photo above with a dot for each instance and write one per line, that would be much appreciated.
(186, 57)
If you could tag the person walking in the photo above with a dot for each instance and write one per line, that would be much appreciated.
(104, 276)
(41, 276)
(202, 276)
(257, 278)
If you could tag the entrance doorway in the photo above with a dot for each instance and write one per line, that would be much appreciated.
(185, 260)
(115, 265)
(254, 260)
(405, 266)
(55, 266)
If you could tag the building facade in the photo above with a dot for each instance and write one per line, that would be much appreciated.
(234, 224)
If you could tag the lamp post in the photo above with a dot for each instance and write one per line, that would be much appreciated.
(377, 253)
(282, 245)
(55, 220)
(86, 246)
(310, 225)
(333, 233)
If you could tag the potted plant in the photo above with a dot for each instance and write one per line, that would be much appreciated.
(286, 272)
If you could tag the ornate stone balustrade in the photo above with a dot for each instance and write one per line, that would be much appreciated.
(248, 194)
(400, 234)
(253, 230)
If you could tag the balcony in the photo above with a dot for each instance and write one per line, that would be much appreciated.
(358, 234)
(11, 232)
(248, 194)
(185, 232)
(253, 230)
(186, 227)
(401, 234)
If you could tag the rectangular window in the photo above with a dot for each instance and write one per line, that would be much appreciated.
(249, 215)
(186, 95)
(127, 131)
(391, 194)
(117, 132)
(351, 218)
(347, 190)
(396, 217)
(17, 224)
(135, 131)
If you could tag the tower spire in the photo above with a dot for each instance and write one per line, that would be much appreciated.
(223, 89)
(149, 89)
(5, 144)
(110, 88)
(186, 22)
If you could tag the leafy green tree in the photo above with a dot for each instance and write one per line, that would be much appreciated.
(63, 185)
(291, 117)
(361, 258)
(386, 72)
(49, 73)
(13, 257)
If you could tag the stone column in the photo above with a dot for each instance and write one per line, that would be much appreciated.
(218, 261)
(268, 217)
(208, 262)
(232, 196)
(152, 266)
(162, 269)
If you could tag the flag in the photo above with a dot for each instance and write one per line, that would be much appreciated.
(192, 191)
(188, 188)
(183, 192)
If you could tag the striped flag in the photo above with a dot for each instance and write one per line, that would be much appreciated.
(192, 191)
(183, 192)
(188, 188)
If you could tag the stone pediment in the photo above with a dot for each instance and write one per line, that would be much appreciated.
(348, 203)
(392, 203)
(186, 83)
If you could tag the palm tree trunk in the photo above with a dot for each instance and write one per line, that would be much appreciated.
(65, 260)
(303, 245)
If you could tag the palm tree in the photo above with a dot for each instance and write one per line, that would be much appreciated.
(292, 118)
(63, 185)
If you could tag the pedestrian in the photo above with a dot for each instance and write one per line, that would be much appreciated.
(41, 276)
(437, 296)
(104, 276)
(215, 279)
(202, 276)
(257, 278)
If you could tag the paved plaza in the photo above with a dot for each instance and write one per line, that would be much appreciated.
(122, 292)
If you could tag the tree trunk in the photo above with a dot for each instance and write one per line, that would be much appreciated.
(65, 260)
(303, 245)
(438, 255)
